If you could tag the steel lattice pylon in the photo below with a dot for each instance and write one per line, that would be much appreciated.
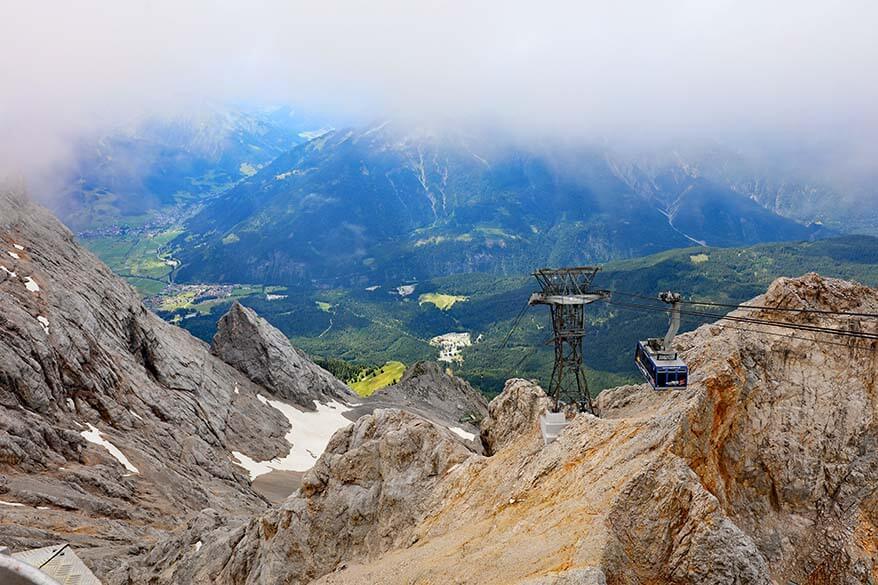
(566, 291)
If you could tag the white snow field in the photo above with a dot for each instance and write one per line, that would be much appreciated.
(308, 436)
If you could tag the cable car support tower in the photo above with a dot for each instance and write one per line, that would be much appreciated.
(566, 291)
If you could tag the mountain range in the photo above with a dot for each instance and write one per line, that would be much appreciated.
(367, 206)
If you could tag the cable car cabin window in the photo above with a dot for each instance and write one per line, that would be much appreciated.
(671, 378)
(646, 363)
(661, 378)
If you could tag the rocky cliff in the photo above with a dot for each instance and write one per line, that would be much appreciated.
(762, 471)
(118, 429)
(114, 425)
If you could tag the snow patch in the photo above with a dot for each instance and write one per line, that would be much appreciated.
(30, 285)
(134, 414)
(405, 290)
(375, 129)
(236, 389)
(308, 436)
(372, 288)
(14, 255)
(16, 504)
(253, 467)
(18, 246)
(312, 134)
(198, 546)
(94, 436)
(44, 322)
(462, 433)
(7, 271)
(70, 404)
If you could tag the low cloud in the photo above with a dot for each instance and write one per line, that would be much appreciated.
(786, 74)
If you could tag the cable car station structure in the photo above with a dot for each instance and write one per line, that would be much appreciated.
(566, 291)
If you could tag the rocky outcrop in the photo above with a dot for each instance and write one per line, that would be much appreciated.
(514, 412)
(260, 351)
(760, 472)
(429, 390)
(665, 526)
(113, 423)
(372, 485)
(785, 431)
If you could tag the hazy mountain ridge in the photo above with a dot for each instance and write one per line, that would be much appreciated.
(167, 161)
(359, 205)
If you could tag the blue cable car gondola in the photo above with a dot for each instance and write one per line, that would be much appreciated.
(663, 370)
(656, 358)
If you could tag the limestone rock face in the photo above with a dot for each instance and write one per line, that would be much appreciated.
(260, 351)
(666, 527)
(430, 391)
(514, 412)
(80, 359)
(784, 433)
(371, 486)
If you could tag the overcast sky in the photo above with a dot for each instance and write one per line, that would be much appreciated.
(646, 70)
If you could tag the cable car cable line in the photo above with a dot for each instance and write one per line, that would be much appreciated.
(755, 307)
(758, 332)
(514, 325)
(756, 321)
(767, 322)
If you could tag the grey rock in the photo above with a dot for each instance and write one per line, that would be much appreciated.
(429, 390)
(260, 351)
(370, 487)
(101, 359)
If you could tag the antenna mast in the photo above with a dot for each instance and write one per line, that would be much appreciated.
(566, 291)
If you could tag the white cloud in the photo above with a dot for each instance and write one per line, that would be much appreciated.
(637, 69)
